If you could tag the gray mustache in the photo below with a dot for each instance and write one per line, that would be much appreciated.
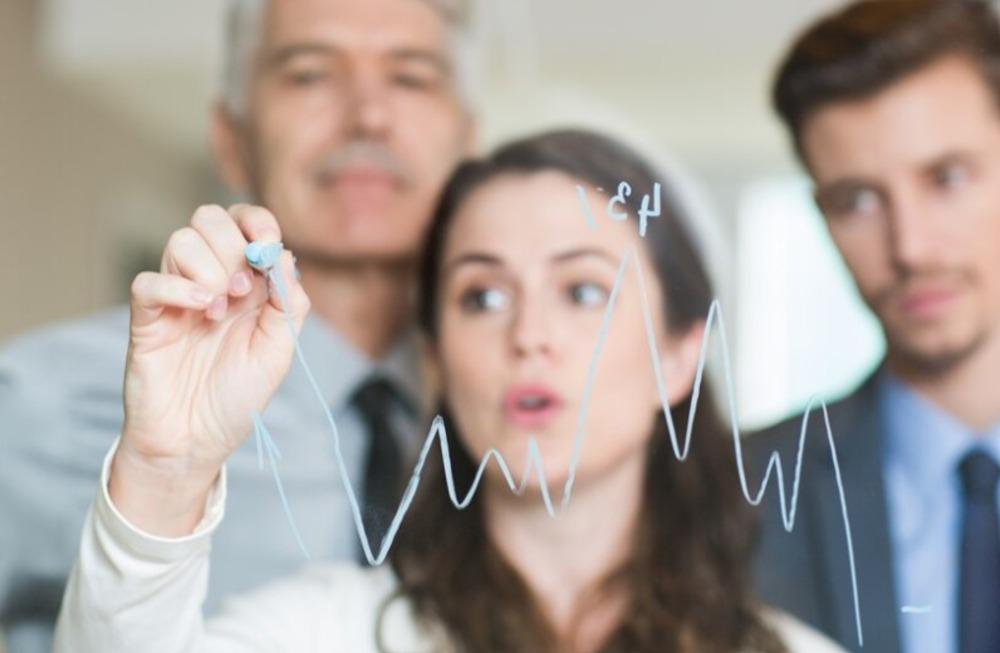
(362, 154)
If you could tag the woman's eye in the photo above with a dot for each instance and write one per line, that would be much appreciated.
(948, 176)
(588, 294)
(478, 300)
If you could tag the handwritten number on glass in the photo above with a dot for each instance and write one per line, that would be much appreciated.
(624, 190)
(620, 200)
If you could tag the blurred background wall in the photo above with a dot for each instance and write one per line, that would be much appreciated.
(85, 182)
(103, 152)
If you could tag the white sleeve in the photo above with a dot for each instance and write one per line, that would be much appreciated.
(131, 591)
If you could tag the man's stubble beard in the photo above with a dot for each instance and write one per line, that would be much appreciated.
(935, 360)
(915, 360)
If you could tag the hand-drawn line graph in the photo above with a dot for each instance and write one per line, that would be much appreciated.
(534, 463)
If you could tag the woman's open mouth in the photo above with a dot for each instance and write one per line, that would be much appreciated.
(531, 406)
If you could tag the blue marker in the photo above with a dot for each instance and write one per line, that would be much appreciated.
(262, 256)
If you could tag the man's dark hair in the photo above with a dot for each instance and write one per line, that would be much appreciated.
(866, 46)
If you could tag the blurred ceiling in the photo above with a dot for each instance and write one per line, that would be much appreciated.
(693, 74)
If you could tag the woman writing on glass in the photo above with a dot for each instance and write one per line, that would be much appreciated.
(649, 554)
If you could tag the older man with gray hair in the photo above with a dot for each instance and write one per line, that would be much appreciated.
(343, 118)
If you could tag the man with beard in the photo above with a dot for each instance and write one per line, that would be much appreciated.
(344, 118)
(893, 110)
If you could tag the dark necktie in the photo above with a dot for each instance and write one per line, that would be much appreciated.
(383, 462)
(979, 585)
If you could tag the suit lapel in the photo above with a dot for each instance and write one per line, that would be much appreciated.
(858, 435)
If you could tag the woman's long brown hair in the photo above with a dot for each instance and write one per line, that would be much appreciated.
(686, 581)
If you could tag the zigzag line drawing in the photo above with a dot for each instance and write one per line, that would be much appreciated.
(437, 433)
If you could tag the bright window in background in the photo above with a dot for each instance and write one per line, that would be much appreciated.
(802, 329)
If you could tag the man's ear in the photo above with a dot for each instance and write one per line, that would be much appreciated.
(230, 148)
(679, 354)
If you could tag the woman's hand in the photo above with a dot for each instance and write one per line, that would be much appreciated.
(208, 345)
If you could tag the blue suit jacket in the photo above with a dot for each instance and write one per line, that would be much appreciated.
(807, 571)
